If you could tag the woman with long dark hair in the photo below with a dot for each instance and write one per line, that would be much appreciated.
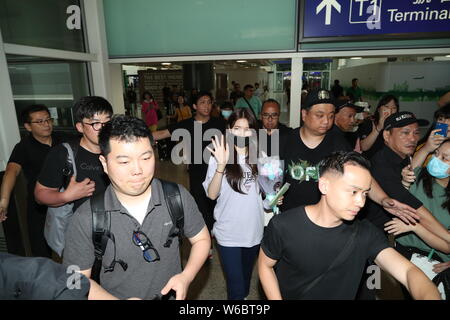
(231, 180)
(371, 131)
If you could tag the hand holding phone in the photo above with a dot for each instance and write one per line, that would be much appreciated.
(443, 129)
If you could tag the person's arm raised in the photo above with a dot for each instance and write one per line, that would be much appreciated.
(368, 141)
(222, 153)
(433, 142)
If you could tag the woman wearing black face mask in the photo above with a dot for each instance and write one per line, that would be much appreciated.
(231, 179)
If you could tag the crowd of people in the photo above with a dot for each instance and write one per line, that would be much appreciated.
(351, 184)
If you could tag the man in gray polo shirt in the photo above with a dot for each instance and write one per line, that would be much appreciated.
(138, 213)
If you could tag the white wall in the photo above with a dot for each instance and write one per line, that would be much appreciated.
(9, 129)
(117, 88)
(383, 77)
(348, 63)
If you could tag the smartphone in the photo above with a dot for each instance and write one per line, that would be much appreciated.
(443, 128)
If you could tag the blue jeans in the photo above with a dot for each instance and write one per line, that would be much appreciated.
(237, 263)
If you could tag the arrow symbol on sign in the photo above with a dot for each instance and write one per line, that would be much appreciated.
(328, 4)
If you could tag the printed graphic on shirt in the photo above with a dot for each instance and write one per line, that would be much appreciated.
(303, 171)
(248, 180)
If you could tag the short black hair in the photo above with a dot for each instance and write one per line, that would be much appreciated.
(354, 79)
(26, 114)
(248, 86)
(87, 107)
(123, 128)
(442, 112)
(146, 93)
(201, 94)
(336, 161)
(226, 105)
(270, 100)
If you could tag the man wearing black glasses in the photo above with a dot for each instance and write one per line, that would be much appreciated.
(91, 114)
(136, 263)
(272, 128)
(29, 155)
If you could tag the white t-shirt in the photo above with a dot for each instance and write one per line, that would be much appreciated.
(139, 211)
(239, 217)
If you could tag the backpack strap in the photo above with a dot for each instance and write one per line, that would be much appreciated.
(175, 206)
(71, 168)
(250, 107)
(101, 225)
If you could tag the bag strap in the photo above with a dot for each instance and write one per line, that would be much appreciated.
(71, 168)
(250, 106)
(340, 258)
(101, 226)
(70, 158)
(175, 206)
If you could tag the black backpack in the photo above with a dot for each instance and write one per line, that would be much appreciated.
(101, 225)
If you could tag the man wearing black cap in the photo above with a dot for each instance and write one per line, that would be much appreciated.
(306, 146)
(401, 134)
(344, 120)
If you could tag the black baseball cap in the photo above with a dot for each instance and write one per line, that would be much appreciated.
(403, 119)
(318, 96)
(342, 103)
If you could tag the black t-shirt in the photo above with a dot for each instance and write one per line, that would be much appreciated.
(88, 166)
(30, 154)
(305, 250)
(337, 91)
(269, 149)
(197, 170)
(300, 163)
(387, 171)
(351, 137)
(363, 131)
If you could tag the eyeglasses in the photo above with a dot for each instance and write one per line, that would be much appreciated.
(42, 121)
(141, 240)
(96, 125)
(270, 115)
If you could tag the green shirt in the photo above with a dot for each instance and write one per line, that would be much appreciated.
(356, 92)
(254, 102)
(434, 205)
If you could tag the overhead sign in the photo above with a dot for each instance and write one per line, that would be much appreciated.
(345, 18)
